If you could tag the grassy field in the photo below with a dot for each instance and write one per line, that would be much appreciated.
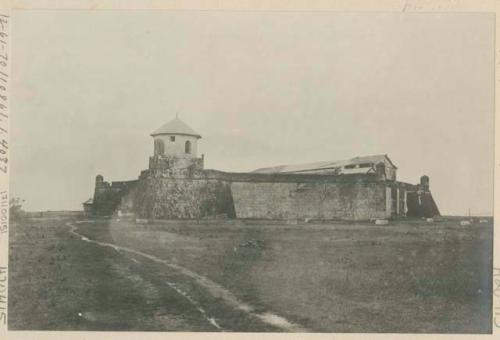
(251, 276)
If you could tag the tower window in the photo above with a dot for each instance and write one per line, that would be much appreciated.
(172, 138)
(159, 147)
(187, 147)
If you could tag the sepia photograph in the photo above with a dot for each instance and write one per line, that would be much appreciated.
(251, 171)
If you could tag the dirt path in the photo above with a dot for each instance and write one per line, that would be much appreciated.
(213, 288)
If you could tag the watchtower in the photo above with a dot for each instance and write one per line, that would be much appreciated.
(175, 146)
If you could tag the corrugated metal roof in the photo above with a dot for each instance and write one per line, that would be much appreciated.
(327, 164)
(176, 127)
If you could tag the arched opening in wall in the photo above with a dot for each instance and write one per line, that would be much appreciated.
(159, 147)
(187, 147)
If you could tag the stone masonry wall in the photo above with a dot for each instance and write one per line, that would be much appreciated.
(321, 200)
(193, 194)
(180, 198)
(108, 197)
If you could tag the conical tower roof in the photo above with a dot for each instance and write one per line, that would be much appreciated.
(176, 127)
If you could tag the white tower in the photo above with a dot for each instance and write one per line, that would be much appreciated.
(175, 146)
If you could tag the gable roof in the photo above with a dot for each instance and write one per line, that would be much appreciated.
(375, 159)
(175, 127)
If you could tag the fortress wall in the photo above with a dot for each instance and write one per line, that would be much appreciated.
(264, 200)
(190, 194)
(178, 198)
(321, 200)
(284, 177)
(108, 197)
(422, 204)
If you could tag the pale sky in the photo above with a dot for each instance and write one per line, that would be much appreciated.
(262, 89)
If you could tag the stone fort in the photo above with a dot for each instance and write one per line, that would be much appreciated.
(176, 186)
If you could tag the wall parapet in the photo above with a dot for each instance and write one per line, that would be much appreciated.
(210, 174)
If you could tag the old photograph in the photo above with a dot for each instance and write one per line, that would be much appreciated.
(251, 171)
